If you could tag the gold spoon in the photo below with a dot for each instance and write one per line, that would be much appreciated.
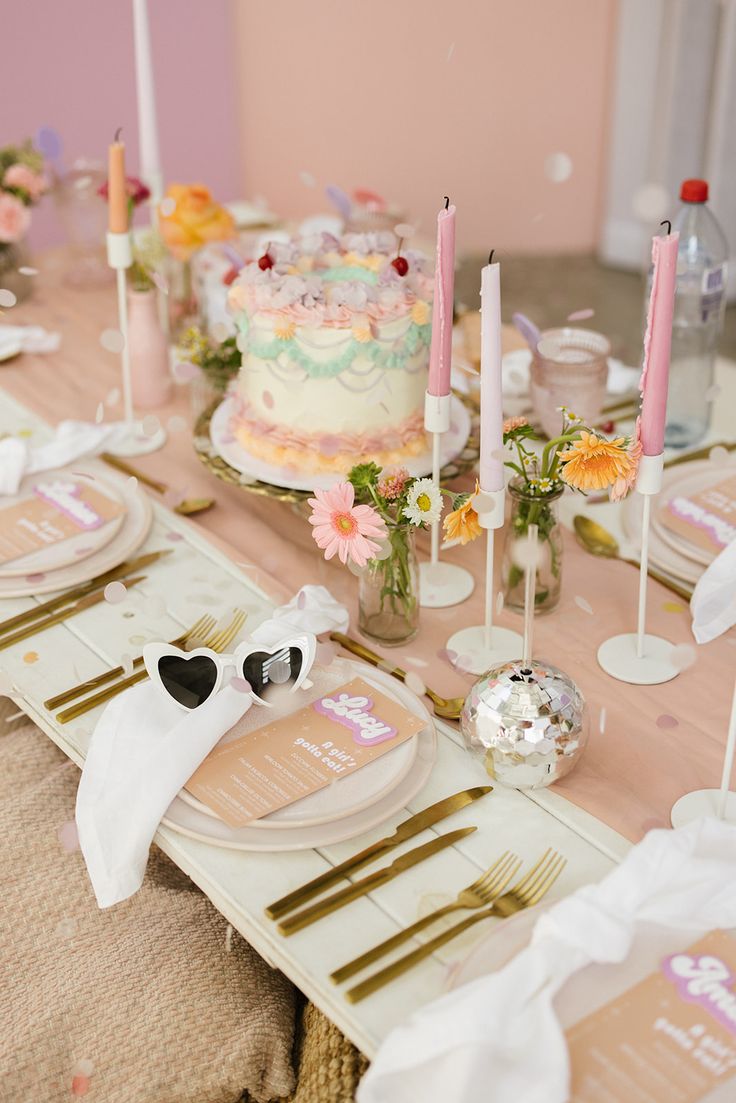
(599, 541)
(185, 507)
(447, 708)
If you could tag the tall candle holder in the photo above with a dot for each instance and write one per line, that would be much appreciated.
(440, 584)
(637, 657)
(485, 645)
(135, 442)
(720, 803)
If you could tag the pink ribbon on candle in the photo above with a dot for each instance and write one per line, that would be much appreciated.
(440, 356)
(654, 382)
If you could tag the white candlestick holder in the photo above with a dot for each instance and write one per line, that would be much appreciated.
(637, 657)
(720, 803)
(485, 645)
(440, 584)
(135, 442)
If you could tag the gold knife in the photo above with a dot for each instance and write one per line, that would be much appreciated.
(102, 580)
(56, 618)
(406, 830)
(372, 881)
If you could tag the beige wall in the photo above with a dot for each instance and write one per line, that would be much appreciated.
(417, 99)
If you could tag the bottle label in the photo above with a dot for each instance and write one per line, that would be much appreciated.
(712, 288)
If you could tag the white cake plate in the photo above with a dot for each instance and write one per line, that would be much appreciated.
(618, 658)
(702, 802)
(226, 446)
(470, 643)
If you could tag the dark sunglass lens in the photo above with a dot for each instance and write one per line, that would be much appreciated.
(265, 671)
(189, 681)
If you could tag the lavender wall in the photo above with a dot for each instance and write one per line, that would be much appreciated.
(69, 64)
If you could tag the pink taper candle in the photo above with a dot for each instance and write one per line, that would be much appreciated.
(657, 341)
(440, 356)
(491, 395)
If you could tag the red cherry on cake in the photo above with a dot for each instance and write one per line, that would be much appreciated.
(265, 262)
(401, 264)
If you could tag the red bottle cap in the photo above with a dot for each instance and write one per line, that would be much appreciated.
(694, 191)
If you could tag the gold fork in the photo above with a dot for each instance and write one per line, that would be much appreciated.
(200, 628)
(482, 891)
(216, 642)
(530, 890)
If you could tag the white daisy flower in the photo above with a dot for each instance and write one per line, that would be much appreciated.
(424, 503)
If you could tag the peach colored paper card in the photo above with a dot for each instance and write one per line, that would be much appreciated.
(707, 519)
(56, 510)
(296, 755)
(669, 1039)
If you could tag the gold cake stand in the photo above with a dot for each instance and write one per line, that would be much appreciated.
(221, 469)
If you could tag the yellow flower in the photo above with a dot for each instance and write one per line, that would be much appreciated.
(420, 312)
(462, 524)
(592, 463)
(284, 331)
(193, 220)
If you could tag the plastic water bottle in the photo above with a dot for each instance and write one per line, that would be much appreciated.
(700, 299)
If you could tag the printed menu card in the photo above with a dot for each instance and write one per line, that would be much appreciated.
(706, 519)
(295, 755)
(55, 510)
(669, 1039)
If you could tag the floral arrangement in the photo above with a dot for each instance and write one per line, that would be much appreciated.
(135, 189)
(368, 522)
(22, 183)
(189, 218)
(219, 361)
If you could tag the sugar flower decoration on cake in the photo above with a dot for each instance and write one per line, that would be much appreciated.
(462, 524)
(189, 218)
(423, 503)
(344, 529)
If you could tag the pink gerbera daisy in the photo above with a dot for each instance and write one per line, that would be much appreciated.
(342, 527)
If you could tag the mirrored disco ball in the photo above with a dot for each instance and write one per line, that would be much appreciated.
(528, 721)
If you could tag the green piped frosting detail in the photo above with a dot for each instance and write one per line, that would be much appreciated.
(415, 338)
(349, 272)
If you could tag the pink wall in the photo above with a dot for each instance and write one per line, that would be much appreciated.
(69, 64)
(419, 99)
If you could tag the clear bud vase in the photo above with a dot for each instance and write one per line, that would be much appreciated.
(528, 508)
(388, 599)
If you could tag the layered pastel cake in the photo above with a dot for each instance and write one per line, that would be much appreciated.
(335, 336)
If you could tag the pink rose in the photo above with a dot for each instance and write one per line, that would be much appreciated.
(21, 176)
(15, 218)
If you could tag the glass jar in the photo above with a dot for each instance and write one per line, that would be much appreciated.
(83, 214)
(388, 598)
(569, 368)
(14, 256)
(529, 509)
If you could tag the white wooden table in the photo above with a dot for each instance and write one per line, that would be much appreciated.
(198, 578)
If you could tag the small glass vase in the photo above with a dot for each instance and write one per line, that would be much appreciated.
(13, 255)
(529, 509)
(388, 610)
(182, 297)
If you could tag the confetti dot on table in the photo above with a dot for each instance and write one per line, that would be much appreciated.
(115, 592)
(581, 315)
(602, 720)
(185, 371)
(413, 682)
(113, 397)
(683, 656)
(150, 425)
(583, 604)
(65, 928)
(414, 660)
(450, 51)
(666, 721)
(719, 454)
(241, 685)
(112, 340)
(7, 298)
(499, 602)
(176, 424)
(650, 202)
(558, 167)
(308, 179)
(37, 577)
(27, 270)
(404, 229)
(83, 1067)
(99, 413)
(673, 607)
(167, 206)
(137, 640)
(68, 837)
(30, 657)
(80, 1085)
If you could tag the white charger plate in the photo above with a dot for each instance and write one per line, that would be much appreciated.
(129, 537)
(75, 548)
(188, 820)
(451, 445)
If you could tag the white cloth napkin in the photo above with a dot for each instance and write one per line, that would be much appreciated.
(713, 604)
(145, 748)
(27, 339)
(498, 1038)
(72, 440)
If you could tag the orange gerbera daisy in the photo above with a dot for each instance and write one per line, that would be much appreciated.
(462, 524)
(592, 463)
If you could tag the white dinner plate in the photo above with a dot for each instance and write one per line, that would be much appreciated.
(129, 537)
(75, 548)
(397, 791)
(451, 445)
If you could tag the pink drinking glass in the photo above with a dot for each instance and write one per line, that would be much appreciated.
(569, 368)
